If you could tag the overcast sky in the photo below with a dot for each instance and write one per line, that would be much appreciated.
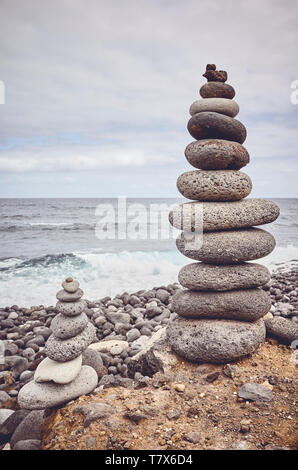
(98, 92)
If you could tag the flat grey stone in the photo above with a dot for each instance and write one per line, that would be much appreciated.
(214, 341)
(242, 304)
(218, 105)
(28, 444)
(217, 90)
(227, 247)
(118, 317)
(255, 392)
(210, 125)
(65, 327)
(224, 215)
(11, 423)
(93, 359)
(64, 296)
(63, 350)
(214, 185)
(94, 412)
(29, 428)
(58, 372)
(282, 329)
(71, 309)
(208, 277)
(34, 396)
(216, 154)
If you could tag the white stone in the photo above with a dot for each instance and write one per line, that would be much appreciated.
(58, 372)
(106, 346)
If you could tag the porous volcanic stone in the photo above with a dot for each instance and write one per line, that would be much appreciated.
(64, 296)
(217, 105)
(225, 215)
(215, 341)
(36, 396)
(210, 125)
(216, 154)
(71, 309)
(58, 372)
(228, 247)
(242, 304)
(65, 327)
(282, 329)
(208, 277)
(217, 90)
(218, 185)
(63, 350)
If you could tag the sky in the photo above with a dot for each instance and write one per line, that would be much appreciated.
(97, 93)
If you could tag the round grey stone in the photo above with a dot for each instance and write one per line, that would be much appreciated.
(286, 331)
(225, 215)
(214, 185)
(209, 125)
(64, 296)
(217, 90)
(243, 304)
(29, 428)
(37, 396)
(216, 154)
(65, 327)
(70, 287)
(218, 105)
(208, 277)
(228, 247)
(214, 341)
(93, 359)
(63, 350)
(28, 444)
(71, 309)
(133, 334)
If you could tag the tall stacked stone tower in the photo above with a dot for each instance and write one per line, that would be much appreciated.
(221, 308)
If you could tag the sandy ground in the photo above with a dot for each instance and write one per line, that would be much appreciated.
(190, 407)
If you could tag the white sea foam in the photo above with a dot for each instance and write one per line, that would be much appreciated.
(36, 282)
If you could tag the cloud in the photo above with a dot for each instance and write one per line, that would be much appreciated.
(107, 85)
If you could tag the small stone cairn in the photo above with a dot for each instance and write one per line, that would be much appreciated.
(220, 311)
(61, 377)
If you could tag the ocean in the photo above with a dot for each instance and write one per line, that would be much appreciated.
(43, 241)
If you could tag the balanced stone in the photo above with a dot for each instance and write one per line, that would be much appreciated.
(216, 341)
(225, 215)
(58, 372)
(219, 185)
(216, 154)
(206, 125)
(64, 296)
(242, 304)
(37, 396)
(71, 309)
(70, 286)
(217, 90)
(227, 247)
(218, 105)
(65, 327)
(62, 350)
(208, 277)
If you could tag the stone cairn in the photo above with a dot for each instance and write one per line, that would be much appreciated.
(61, 377)
(220, 311)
